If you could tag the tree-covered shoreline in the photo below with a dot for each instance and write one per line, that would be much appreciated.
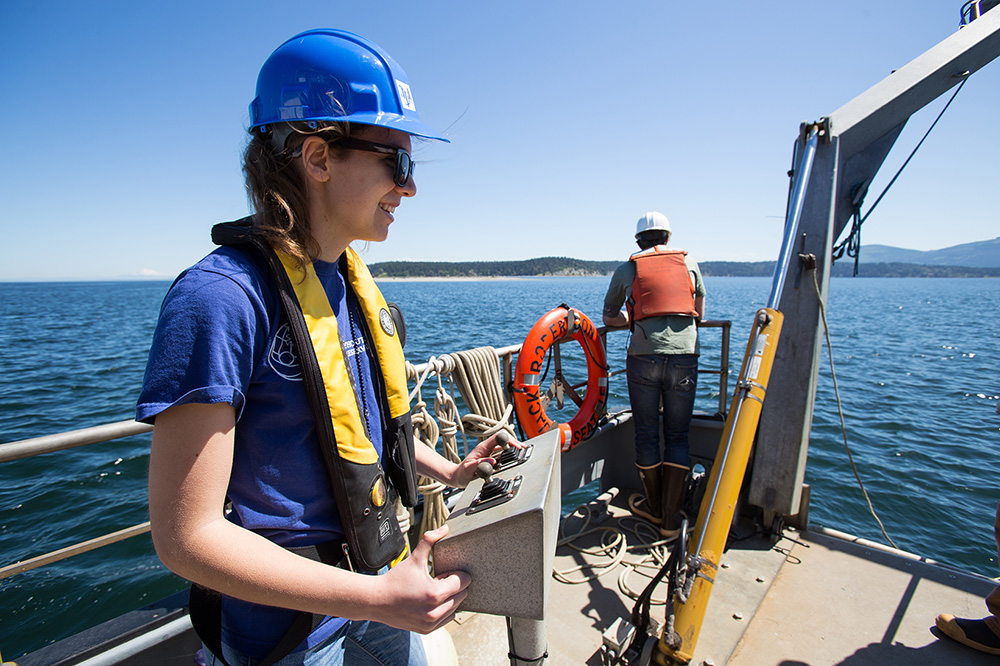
(565, 266)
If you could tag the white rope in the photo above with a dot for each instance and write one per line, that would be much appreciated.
(477, 374)
(426, 430)
(614, 546)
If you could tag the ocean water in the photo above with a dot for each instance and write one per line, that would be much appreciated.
(917, 362)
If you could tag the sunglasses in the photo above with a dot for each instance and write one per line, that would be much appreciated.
(403, 169)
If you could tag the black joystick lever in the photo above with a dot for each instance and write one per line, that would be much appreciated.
(494, 491)
(492, 488)
(484, 471)
(511, 455)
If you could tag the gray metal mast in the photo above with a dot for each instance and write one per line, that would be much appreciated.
(853, 142)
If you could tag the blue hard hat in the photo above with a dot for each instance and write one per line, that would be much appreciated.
(334, 75)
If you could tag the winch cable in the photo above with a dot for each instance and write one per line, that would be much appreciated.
(852, 244)
(840, 411)
(672, 566)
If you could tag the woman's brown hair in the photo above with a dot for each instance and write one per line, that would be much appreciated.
(276, 187)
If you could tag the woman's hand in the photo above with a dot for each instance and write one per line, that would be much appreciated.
(433, 464)
(410, 598)
(465, 471)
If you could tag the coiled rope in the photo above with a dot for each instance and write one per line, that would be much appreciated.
(428, 431)
(477, 374)
(613, 546)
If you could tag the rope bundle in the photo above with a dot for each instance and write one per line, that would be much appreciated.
(477, 374)
(614, 546)
(427, 430)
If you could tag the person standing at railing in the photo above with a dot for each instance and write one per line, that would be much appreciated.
(237, 418)
(664, 298)
(982, 634)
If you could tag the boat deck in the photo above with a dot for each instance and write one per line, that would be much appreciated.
(812, 598)
(881, 607)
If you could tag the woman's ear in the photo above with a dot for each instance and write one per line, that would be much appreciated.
(315, 162)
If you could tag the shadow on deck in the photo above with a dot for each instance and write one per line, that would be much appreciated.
(809, 599)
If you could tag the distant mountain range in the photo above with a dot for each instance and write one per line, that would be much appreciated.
(980, 259)
(982, 254)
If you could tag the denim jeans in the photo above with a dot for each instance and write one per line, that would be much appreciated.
(356, 643)
(671, 380)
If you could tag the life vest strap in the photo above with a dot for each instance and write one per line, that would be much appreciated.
(374, 537)
(205, 608)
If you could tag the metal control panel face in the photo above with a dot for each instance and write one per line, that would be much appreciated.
(494, 493)
(512, 457)
(511, 509)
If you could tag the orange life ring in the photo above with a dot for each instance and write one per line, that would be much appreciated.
(556, 324)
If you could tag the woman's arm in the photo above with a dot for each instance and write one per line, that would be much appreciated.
(190, 462)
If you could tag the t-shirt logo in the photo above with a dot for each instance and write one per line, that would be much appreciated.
(282, 356)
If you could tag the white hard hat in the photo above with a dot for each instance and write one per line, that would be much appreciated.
(653, 221)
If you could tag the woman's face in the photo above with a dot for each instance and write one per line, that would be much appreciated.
(361, 196)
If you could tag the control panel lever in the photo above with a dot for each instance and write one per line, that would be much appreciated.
(484, 471)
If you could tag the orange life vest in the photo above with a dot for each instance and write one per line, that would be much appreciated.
(662, 285)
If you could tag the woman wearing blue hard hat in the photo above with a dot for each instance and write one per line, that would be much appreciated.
(276, 383)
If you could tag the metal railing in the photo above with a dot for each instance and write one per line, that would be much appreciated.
(722, 371)
(975, 9)
(27, 448)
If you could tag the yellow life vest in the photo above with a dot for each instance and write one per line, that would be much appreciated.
(364, 499)
(352, 442)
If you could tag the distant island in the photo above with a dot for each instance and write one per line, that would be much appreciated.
(979, 259)
(561, 266)
(565, 266)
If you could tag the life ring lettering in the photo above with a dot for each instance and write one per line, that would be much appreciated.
(557, 324)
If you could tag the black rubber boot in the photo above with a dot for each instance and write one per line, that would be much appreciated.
(674, 479)
(648, 507)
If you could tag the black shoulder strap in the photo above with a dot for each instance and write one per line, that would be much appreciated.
(205, 605)
(373, 540)
(205, 610)
(241, 233)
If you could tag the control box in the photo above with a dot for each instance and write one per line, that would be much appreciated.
(503, 532)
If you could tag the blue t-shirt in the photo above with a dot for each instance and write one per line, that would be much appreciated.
(223, 338)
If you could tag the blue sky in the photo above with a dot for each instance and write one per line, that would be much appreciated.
(125, 122)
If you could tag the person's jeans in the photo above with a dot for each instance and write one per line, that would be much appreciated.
(356, 643)
(670, 380)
